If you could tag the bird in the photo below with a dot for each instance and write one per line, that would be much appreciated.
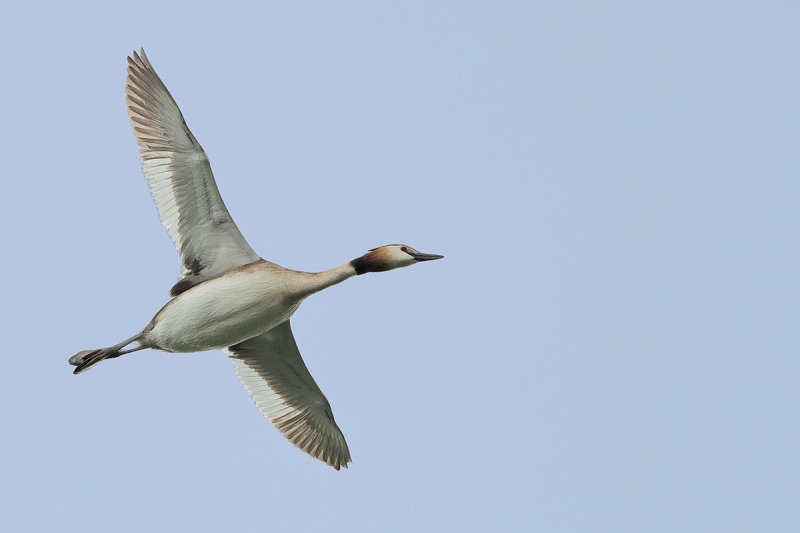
(228, 298)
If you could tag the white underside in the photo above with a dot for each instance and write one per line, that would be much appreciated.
(222, 312)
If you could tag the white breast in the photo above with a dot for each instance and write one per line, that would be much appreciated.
(222, 312)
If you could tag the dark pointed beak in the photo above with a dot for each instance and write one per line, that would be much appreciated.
(426, 257)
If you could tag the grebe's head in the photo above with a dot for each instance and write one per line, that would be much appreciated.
(390, 257)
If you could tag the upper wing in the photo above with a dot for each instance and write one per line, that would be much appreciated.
(271, 369)
(181, 182)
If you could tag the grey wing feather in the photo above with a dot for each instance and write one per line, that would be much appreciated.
(271, 369)
(181, 182)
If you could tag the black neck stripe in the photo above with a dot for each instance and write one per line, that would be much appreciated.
(360, 265)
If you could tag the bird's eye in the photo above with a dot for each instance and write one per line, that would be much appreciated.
(403, 249)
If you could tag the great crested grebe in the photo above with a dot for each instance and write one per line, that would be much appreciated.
(228, 297)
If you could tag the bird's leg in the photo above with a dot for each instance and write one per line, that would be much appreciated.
(88, 358)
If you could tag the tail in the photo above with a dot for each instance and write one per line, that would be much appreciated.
(88, 358)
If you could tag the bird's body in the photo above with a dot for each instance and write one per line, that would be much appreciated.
(236, 306)
(224, 311)
(229, 298)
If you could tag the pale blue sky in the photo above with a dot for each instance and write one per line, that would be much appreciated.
(609, 345)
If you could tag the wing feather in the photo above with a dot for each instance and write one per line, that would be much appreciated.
(272, 371)
(180, 179)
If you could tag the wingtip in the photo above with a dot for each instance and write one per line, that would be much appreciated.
(138, 58)
(343, 463)
(336, 462)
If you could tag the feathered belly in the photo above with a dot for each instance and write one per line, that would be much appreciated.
(217, 314)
